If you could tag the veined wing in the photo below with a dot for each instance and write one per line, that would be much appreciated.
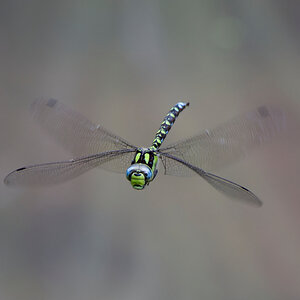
(225, 186)
(74, 132)
(227, 143)
(58, 172)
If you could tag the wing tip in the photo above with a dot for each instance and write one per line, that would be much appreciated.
(10, 178)
(257, 202)
(6, 180)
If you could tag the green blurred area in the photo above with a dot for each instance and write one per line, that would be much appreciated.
(123, 64)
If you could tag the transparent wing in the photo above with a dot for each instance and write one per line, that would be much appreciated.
(74, 132)
(58, 172)
(232, 189)
(173, 167)
(227, 187)
(225, 144)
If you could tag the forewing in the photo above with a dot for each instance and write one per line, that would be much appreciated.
(74, 132)
(225, 186)
(58, 172)
(227, 143)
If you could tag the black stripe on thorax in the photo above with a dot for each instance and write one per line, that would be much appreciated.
(142, 159)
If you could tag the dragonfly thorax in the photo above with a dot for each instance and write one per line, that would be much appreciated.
(143, 168)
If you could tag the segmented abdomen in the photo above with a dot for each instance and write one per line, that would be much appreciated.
(167, 124)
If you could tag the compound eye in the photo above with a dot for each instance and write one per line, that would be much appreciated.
(148, 174)
(129, 172)
(139, 170)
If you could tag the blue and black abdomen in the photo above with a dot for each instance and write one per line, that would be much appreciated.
(167, 124)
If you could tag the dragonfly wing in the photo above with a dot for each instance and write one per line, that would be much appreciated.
(225, 144)
(58, 172)
(74, 132)
(173, 167)
(119, 164)
(225, 186)
(232, 189)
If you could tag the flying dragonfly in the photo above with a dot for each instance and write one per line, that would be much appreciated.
(93, 146)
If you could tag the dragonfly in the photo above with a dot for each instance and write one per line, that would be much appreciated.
(94, 146)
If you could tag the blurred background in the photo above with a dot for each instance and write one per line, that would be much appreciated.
(123, 64)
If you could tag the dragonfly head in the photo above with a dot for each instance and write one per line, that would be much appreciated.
(139, 175)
